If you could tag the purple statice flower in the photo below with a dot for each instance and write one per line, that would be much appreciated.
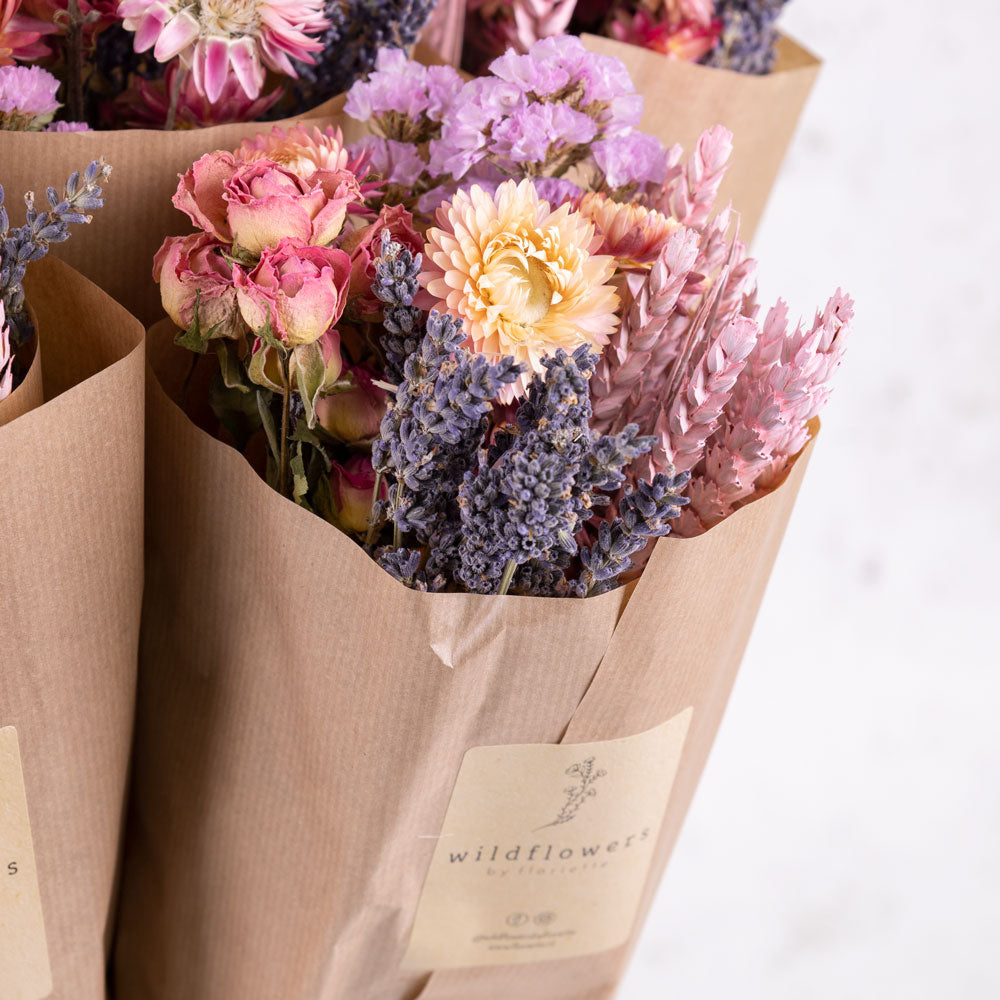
(407, 100)
(531, 133)
(633, 157)
(748, 37)
(398, 162)
(397, 85)
(396, 284)
(68, 127)
(27, 97)
(557, 190)
(30, 242)
(433, 429)
(481, 104)
(643, 513)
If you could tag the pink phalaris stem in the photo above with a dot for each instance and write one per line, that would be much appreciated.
(689, 194)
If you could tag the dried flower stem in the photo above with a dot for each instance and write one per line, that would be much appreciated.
(508, 575)
(286, 404)
(74, 61)
(175, 96)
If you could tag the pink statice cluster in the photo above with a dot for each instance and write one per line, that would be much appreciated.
(562, 115)
(27, 98)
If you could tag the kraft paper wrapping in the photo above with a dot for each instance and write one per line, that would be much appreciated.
(302, 719)
(683, 99)
(29, 393)
(71, 497)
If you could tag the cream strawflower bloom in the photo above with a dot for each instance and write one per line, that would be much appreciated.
(522, 278)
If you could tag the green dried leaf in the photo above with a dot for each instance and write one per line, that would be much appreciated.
(230, 367)
(267, 420)
(310, 374)
(193, 339)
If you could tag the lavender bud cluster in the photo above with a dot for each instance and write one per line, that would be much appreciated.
(30, 242)
(396, 270)
(525, 507)
(433, 429)
(749, 35)
(358, 29)
(643, 514)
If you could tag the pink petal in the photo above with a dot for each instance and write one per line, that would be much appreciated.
(247, 67)
(148, 32)
(179, 33)
(216, 67)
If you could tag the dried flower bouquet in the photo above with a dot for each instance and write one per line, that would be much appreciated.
(504, 341)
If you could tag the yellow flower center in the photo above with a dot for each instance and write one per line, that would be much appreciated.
(517, 282)
(231, 18)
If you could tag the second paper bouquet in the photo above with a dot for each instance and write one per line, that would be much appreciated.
(485, 359)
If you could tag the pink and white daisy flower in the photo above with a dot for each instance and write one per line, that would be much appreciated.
(215, 37)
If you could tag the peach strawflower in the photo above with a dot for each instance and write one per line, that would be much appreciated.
(524, 279)
(633, 234)
(301, 149)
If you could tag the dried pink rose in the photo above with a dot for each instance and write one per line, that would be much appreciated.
(267, 203)
(200, 193)
(192, 270)
(353, 488)
(353, 416)
(300, 289)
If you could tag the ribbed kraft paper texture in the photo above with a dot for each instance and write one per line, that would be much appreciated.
(682, 99)
(71, 498)
(302, 718)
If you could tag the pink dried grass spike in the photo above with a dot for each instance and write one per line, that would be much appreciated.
(622, 376)
(693, 415)
(688, 194)
(785, 384)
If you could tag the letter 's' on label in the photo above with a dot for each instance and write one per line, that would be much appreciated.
(24, 955)
(545, 850)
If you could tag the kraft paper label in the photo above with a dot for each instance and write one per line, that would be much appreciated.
(545, 850)
(24, 953)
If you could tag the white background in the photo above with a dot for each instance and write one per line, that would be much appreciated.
(845, 840)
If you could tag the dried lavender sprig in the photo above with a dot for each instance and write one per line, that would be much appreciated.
(358, 29)
(404, 565)
(30, 242)
(749, 36)
(431, 434)
(528, 505)
(396, 284)
(643, 513)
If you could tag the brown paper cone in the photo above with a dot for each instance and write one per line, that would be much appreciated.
(683, 99)
(302, 718)
(28, 394)
(71, 495)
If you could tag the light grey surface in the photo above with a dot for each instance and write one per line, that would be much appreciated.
(845, 841)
